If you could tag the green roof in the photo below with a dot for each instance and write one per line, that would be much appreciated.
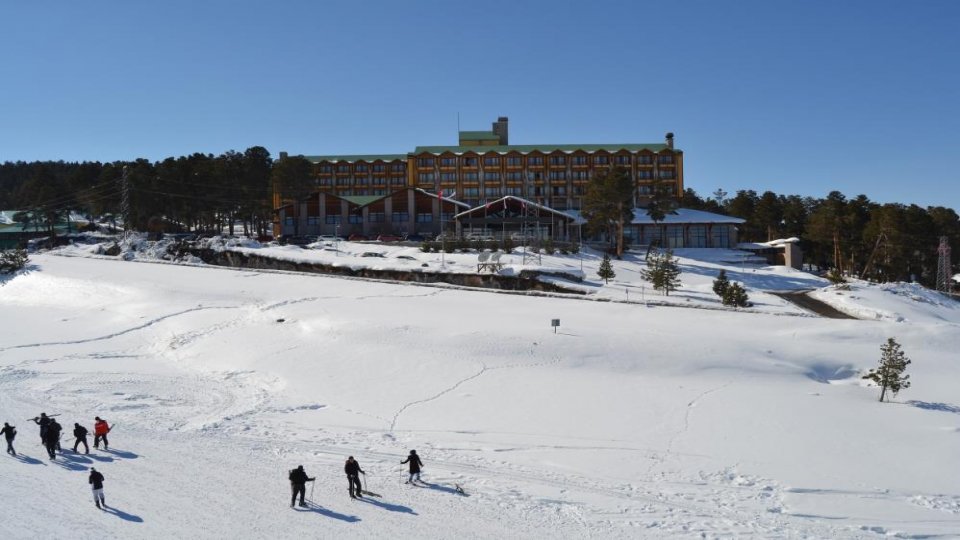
(545, 148)
(369, 158)
(361, 200)
(478, 135)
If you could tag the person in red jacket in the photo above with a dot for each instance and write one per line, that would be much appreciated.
(100, 430)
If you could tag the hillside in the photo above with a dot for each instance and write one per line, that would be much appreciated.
(634, 420)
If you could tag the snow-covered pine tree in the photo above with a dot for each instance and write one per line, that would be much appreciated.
(12, 260)
(735, 295)
(893, 362)
(720, 284)
(606, 269)
(662, 272)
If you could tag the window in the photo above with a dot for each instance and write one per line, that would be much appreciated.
(399, 217)
(535, 160)
(361, 181)
(666, 175)
(448, 177)
(448, 162)
(326, 181)
(515, 176)
(720, 236)
(558, 160)
(491, 177)
(491, 192)
(469, 162)
(578, 191)
(313, 220)
(644, 190)
(355, 219)
(666, 159)
(326, 168)
(332, 219)
(425, 217)
(600, 160)
(621, 160)
(645, 159)
(426, 178)
(491, 161)
(581, 175)
(343, 181)
(379, 167)
(673, 237)
(579, 160)
(698, 236)
(375, 217)
(361, 167)
(513, 161)
(399, 181)
(470, 177)
(288, 220)
(559, 191)
(471, 192)
(646, 175)
(398, 167)
(425, 162)
(558, 175)
(515, 191)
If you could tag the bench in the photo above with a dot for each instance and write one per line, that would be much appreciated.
(490, 261)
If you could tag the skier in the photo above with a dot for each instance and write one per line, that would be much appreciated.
(43, 421)
(298, 484)
(100, 430)
(353, 470)
(96, 484)
(9, 432)
(415, 465)
(53, 438)
(80, 433)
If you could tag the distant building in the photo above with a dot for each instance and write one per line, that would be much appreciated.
(481, 169)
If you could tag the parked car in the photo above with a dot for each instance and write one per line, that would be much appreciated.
(329, 238)
(389, 238)
(298, 240)
(417, 238)
(357, 237)
(371, 254)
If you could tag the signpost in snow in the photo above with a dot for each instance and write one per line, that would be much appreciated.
(554, 323)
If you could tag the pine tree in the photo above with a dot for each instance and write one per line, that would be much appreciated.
(662, 272)
(721, 284)
(13, 260)
(606, 269)
(735, 295)
(893, 362)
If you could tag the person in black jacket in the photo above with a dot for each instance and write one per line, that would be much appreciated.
(298, 484)
(415, 465)
(353, 470)
(43, 421)
(9, 433)
(96, 484)
(52, 441)
(80, 433)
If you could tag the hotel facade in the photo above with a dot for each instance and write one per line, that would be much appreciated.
(485, 185)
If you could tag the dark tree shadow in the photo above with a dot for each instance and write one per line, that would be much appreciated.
(444, 489)
(122, 515)
(28, 460)
(942, 407)
(388, 506)
(123, 454)
(317, 509)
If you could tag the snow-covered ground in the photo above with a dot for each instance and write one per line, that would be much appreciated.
(634, 420)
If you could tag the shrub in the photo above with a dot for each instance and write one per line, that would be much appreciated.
(836, 277)
(507, 246)
(548, 247)
(12, 260)
(721, 284)
(736, 296)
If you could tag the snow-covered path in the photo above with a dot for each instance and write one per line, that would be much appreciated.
(631, 421)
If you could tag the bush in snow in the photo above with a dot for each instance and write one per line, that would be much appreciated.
(606, 269)
(893, 362)
(426, 246)
(721, 284)
(12, 260)
(507, 246)
(548, 247)
(735, 295)
(836, 277)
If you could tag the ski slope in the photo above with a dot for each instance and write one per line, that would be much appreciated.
(632, 421)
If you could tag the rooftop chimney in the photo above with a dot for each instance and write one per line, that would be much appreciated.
(670, 140)
(500, 129)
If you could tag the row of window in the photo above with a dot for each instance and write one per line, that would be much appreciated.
(363, 181)
(516, 161)
(555, 176)
(363, 167)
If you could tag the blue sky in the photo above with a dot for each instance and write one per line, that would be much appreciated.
(793, 97)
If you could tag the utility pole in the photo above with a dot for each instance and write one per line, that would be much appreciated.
(944, 278)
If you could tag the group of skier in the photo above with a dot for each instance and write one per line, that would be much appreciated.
(299, 478)
(50, 431)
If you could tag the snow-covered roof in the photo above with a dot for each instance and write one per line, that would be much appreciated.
(781, 242)
(957, 278)
(678, 216)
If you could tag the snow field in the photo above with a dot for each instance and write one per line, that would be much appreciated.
(631, 421)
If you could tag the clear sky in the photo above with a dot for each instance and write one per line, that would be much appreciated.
(793, 97)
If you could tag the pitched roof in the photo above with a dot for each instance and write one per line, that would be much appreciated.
(545, 148)
(513, 199)
(369, 158)
(361, 200)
